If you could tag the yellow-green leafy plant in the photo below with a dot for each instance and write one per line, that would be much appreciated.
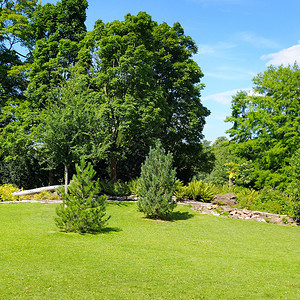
(181, 191)
(45, 195)
(5, 192)
(198, 190)
(133, 186)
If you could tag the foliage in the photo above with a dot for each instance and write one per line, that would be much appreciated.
(150, 87)
(156, 184)
(82, 210)
(70, 127)
(5, 192)
(133, 186)
(199, 190)
(45, 195)
(267, 199)
(266, 125)
(225, 158)
(180, 191)
(56, 30)
(294, 187)
(114, 188)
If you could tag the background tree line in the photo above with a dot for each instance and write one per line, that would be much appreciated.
(104, 95)
(107, 95)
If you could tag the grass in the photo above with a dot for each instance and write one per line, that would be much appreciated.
(193, 257)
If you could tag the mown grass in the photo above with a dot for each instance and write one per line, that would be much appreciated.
(193, 257)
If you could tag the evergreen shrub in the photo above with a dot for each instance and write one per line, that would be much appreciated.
(156, 184)
(82, 210)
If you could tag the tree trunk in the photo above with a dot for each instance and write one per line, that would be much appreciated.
(66, 179)
(50, 179)
(113, 168)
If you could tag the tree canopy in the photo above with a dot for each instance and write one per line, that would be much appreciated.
(266, 124)
(139, 76)
(150, 83)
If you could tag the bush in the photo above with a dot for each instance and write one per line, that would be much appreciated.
(44, 195)
(82, 210)
(181, 191)
(156, 184)
(5, 192)
(133, 186)
(114, 188)
(198, 190)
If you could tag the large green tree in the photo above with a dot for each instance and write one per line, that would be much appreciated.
(70, 127)
(266, 124)
(17, 160)
(150, 83)
(56, 31)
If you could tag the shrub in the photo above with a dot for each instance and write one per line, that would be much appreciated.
(198, 190)
(114, 188)
(5, 192)
(156, 184)
(45, 195)
(181, 191)
(82, 210)
(133, 186)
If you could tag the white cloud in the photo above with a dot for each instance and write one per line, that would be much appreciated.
(284, 57)
(224, 97)
(256, 40)
(216, 50)
(230, 73)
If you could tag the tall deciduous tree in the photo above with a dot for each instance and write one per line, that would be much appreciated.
(151, 85)
(57, 31)
(17, 160)
(70, 127)
(266, 125)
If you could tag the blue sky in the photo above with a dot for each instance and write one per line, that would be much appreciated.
(237, 39)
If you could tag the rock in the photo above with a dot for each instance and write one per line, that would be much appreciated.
(227, 199)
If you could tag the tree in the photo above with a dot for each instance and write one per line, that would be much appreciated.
(57, 31)
(70, 127)
(82, 210)
(266, 124)
(150, 85)
(156, 184)
(294, 187)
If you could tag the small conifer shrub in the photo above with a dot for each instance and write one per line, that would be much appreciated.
(82, 210)
(156, 184)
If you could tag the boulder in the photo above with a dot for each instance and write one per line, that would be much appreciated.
(227, 199)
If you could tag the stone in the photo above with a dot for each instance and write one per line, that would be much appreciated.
(227, 199)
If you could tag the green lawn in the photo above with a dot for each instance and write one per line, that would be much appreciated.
(194, 257)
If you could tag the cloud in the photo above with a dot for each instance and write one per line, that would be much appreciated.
(216, 49)
(256, 40)
(230, 73)
(284, 57)
(224, 97)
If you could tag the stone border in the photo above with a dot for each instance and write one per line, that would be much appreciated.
(236, 213)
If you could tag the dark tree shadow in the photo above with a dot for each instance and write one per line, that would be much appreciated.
(110, 229)
(179, 215)
(174, 216)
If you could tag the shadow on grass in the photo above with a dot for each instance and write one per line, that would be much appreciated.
(109, 230)
(174, 216)
(178, 215)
